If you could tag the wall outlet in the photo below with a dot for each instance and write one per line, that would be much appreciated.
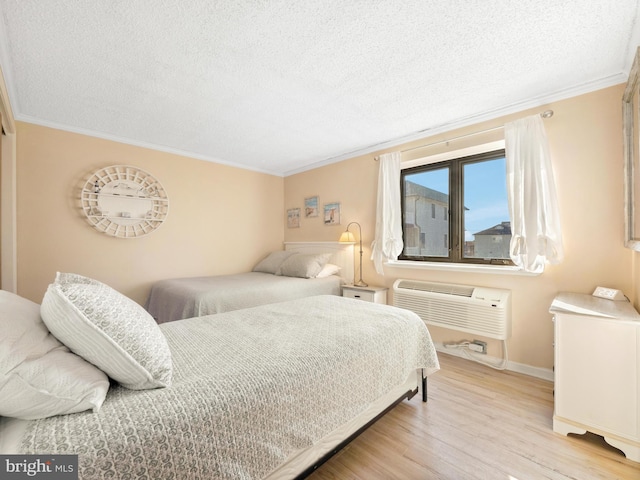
(478, 346)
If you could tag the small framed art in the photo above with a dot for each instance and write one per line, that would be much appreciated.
(293, 218)
(332, 213)
(311, 206)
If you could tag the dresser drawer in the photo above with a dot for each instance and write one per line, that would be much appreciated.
(368, 294)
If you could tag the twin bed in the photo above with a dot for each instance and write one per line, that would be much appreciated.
(265, 392)
(179, 298)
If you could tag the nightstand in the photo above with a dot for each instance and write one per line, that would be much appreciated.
(368, 294)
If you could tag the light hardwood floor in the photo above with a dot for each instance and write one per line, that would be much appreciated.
(479, 423)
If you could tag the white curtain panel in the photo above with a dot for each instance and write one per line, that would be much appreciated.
(388, 244)
(536, 236)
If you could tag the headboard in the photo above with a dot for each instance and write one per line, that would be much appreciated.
(341, 254)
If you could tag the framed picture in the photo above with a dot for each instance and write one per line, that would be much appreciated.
(311, 207)
(631, 125)
(293, 218)
(332, 213)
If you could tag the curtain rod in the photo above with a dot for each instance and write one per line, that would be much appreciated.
(545, 114)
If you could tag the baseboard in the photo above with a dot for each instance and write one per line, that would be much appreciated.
(543, 373)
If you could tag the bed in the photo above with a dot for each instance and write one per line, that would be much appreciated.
(266, 392)
(321, 270)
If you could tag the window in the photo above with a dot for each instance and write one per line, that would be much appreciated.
(475, 225)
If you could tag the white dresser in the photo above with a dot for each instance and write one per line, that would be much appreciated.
(597, 369)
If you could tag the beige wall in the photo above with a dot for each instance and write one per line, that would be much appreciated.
(585, 136)
(635, 262)
(221, 219)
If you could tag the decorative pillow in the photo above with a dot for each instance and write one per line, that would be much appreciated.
(304, 265)
(272, 262)
(40, 377)
(328, 270)
(109, 330)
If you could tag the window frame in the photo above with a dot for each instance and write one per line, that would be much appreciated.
(455, 162)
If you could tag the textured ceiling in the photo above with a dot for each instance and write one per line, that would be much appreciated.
(281, 86)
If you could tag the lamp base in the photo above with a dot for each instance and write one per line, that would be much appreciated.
(360, 283)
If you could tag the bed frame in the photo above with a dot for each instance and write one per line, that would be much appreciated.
(341, 254)
(408, 395)
(329, 446)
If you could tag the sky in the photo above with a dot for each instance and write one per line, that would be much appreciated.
(485, 193)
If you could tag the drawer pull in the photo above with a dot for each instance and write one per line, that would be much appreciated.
(356, 296)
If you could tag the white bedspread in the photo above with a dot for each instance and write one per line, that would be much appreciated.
(179, 298)
(249, 388)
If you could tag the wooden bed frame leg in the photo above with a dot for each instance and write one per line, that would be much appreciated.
(424, 386)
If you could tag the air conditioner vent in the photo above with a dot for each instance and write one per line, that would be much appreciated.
(444, 288)
(478, 310)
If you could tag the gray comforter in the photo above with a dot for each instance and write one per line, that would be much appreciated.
(179, 298)
(249, 388)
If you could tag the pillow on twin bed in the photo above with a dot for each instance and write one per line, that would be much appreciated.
(328, 270)
(272, 262)
(39, 376)
(109, 330)
(304, 265)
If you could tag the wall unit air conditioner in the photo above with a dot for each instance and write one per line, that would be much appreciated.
(478, 310)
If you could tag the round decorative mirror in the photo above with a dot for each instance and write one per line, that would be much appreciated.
(124, 201)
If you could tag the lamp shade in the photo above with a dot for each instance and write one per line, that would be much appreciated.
(347, 237)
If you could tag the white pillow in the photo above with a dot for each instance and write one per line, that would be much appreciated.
(304, 265)
(109, 330)
(40, 377)
(328, 270)
(271, 263)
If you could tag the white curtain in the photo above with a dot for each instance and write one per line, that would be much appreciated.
(387, 244)
(536, 237)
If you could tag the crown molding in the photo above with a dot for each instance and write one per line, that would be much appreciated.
(475, 119)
